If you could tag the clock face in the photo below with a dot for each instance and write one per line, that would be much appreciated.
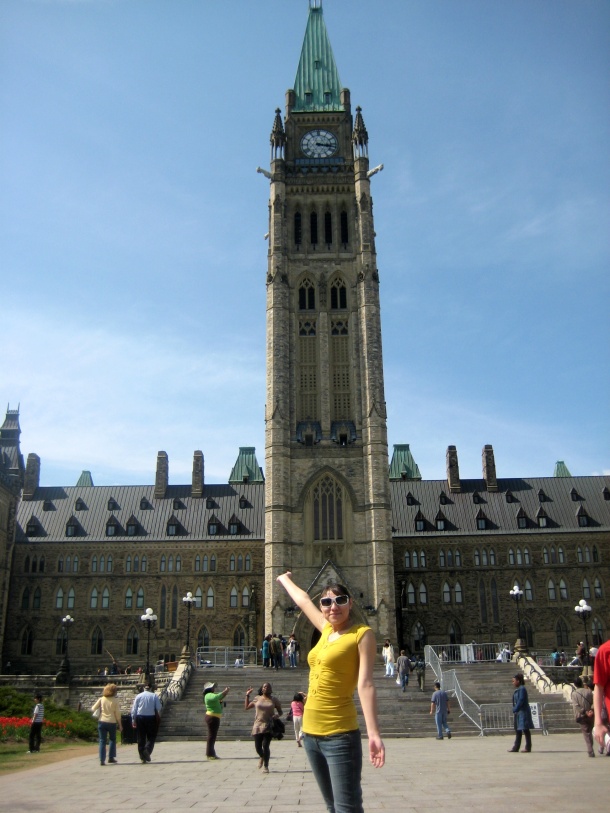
(319, 144)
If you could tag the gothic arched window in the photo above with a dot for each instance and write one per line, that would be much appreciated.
(97, 642)
(328, 509)
(307, 296)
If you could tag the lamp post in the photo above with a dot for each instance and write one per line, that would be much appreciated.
(584, 612)
(149, 619)
(188, 602)
(63, 676)
(517, 594)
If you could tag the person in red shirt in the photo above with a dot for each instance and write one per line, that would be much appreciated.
(601, 692)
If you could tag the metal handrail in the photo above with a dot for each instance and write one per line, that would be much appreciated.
(226, 656)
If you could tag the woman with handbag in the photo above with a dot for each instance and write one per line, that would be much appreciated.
(108, 712)
(522, 714)
(267, 707)
(582, 703)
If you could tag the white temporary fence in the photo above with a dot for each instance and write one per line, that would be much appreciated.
(473, 652)
(227, 656)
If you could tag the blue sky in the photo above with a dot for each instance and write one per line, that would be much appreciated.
(132, 223)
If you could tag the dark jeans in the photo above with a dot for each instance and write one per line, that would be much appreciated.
(261, 743)
(147, 733)
(336, 763)
(213, 724)
(35, 730)
(104, 730)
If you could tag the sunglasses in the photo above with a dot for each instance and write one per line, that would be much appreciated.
(328, 601)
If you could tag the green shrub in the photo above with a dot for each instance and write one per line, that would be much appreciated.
(16, 712)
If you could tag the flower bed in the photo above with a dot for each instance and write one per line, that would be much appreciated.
(18, 728)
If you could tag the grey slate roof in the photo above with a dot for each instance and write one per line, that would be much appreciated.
(192, 513)
(461, 510)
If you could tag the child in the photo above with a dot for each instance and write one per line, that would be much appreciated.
(298, 702)
(36, 726)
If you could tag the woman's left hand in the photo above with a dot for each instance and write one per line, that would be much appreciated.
(376, 752)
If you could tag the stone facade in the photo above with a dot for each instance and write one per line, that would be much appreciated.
(426, 561)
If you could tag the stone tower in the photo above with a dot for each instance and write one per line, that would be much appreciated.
(327, 498)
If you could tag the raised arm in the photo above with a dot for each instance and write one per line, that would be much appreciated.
(302, 600)
(367, 651)
(599, 729)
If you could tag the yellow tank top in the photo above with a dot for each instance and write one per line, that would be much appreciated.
(333, 678)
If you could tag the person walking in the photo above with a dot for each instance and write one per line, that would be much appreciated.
(388, 658)
(420, 673)
(145, 718)
(297, 707)
(440, 707)
(213, 713)
(522, 714)
(108, 720)
(342, 659)
(404, 669)
(267, 707)
(582, 703)
(276, 651)
(36, 725)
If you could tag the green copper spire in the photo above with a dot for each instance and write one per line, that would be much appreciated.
(561, 470)
(246, 468)
(317, 85)
(403, 466)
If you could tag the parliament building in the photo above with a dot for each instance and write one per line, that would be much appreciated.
(427, 561)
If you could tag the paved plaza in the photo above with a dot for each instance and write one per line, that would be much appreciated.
(420, 776)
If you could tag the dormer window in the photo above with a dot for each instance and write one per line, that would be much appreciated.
(172, 528)
(443, 498)
(47, 505)
(243, 502)
(481, 524)
(327, 97)
(522, 522)
(132, 529)
(209, 503)
(32, 528)
(71, 529)
(110, 529)
(542, 521)
(583, 518)
(178, 504)
(574, 495)
(542, 496)
(411, 499)
(113, 504)
(308, 97)
(233, 528)
(79, 505)
(606, 493)
(510, 497)
(212, 528)
(144, 504)
(476, 498)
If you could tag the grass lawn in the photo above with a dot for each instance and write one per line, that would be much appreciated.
(14, 756)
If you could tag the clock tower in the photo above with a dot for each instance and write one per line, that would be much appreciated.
(327, 498)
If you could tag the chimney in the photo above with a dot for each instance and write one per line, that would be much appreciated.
(162, 477)
(489, 468)
(197, 489)
(32, 477)
(453, 470)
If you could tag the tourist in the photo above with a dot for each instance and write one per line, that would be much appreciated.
(403, 665)
(265, 651)
(36, 724)
(108, 720)
(267, 707)
(601, 696)
(145, 718)
(582, 703)
(439, 706)
(213, 713)
(522, 714)
(297, 707)
(292, 648)
(387, 653)
(420, 673)
(342, 659)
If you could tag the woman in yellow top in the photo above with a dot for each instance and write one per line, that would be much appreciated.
(342, 660)
(109, 719)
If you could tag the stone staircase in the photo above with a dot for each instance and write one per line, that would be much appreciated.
(400, 715)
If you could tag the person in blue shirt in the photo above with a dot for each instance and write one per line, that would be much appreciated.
(439, 706)
(522, 714)
(145, 718)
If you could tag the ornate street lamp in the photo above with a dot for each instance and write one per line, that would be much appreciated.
(584, 612)
(149, 619)
(517, 594)
(189, 600)
(63, 676)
